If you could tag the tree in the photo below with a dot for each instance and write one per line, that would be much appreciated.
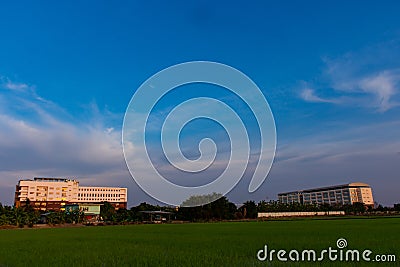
(122, 216)
(75, 216)
(222, 209)
(262, 206)
(358, 207)
(19, 217)
(6, 215)
(4, 219)
(107, 212)
(325, 207)
(32, 218)
(219, 209)
(200, 200)
(396, 207)
(250, 209)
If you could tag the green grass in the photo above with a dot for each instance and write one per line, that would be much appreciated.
(208, 244)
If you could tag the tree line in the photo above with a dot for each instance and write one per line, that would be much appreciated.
(27, 215)
(220, 209)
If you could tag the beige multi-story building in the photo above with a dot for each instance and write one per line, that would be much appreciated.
(332, 195)
(55, 193)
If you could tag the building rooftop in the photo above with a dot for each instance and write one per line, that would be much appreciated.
(356, 184)
(64, 180)
(49, 179)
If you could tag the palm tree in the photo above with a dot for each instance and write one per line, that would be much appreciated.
(19, 216)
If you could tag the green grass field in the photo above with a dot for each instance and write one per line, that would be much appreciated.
(195, 244)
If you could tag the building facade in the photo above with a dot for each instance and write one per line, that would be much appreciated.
(55, 193)
(332, 195)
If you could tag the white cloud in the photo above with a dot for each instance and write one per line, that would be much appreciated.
(38, 138)
(375, 90)
(5, 82)
(383, 86)
(310, 96)
(369, 78)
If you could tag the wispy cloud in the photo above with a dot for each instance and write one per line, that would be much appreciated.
(369, 78)
(310, 96)
(376, 89)
(384, 85)
(6, 83)
(39, 138)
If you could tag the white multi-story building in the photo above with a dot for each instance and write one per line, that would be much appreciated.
(54, 193)
(89, 194)
(332, 195)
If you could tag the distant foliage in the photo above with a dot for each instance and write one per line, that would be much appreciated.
(356, 208)
(20, 216)
(199, 200)
(218, 210)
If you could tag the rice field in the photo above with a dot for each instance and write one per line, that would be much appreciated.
(197, 244)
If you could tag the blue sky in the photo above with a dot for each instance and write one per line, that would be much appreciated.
(330, 72)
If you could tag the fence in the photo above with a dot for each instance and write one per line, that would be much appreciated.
(298, 214)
